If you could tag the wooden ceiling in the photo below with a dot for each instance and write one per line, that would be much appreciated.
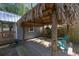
(38, 16)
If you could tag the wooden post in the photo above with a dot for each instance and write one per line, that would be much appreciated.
(54, 50)
(10, 29)
(2, 28)
(23, 33)
(43, 30)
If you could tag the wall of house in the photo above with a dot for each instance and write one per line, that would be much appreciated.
(31, 34)
(19, 31)
(27, 33)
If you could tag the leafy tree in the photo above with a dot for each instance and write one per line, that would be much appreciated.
(19, 8)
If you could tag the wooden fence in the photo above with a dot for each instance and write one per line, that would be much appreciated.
(7, 37)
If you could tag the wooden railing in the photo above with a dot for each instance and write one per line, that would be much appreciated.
(7, 37)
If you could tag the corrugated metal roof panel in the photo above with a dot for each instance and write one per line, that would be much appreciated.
(6, 16)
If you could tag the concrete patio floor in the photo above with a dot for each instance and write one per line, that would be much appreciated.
(32, 47)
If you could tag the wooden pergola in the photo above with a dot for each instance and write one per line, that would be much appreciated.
(40, 15)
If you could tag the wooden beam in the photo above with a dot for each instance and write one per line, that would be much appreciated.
(32, 24)
(38, 23)
(47, 12)
(47, 17)
(48, 5)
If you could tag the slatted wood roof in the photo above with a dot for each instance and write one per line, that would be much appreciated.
(40, 15)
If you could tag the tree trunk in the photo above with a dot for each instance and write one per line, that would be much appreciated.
(54, 35)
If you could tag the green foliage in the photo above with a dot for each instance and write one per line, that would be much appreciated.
(48, 32)
(14, 8)
(61, 32)
(74, 36)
